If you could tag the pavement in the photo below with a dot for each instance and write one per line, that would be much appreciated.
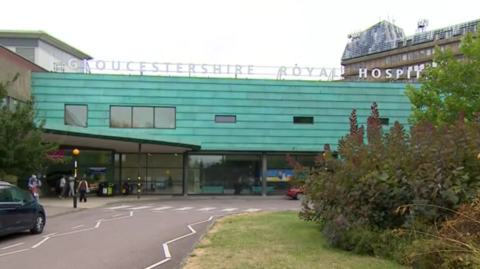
(158, 233)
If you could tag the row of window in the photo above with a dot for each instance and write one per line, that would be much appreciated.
(11, 102)
(149, 117)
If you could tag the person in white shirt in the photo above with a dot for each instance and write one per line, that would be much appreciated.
(71, 183)
(63, 187)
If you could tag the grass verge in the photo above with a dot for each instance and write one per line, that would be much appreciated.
(273, 241)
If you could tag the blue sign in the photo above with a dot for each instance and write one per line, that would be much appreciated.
(279, 174)
(97, 170)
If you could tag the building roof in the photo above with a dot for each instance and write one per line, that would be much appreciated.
(385, 36)
(12, 56)
(47, 38)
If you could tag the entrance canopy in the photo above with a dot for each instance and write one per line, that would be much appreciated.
(126, 142)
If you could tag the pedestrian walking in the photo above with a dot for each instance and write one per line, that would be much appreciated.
(71, 184)
(34, 185)
(63, 187)
(83, 189)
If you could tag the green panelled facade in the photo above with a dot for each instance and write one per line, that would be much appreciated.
(260, 120)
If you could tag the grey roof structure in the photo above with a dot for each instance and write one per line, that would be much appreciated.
(385, 36)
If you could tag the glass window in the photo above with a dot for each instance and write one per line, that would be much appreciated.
(415, 55)
(131, 160)
(235, 173)
(13, 103)
(165, 160)
(12, 194)
(387, 60)
(422, 54)
(399, 58)
(3, 102)
(429, 52)
(225, 119)
(404, 57)
(410, 55)
(384, 121)
(303, 120)
(165, 117)
(76, 115)
(142, 117)
(120, 117)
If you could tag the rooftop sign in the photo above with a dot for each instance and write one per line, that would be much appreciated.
(388, 73)
(211, 70)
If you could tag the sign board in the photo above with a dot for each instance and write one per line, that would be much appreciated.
(388, 73)
(206, 70)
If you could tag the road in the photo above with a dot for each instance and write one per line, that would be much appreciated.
(138, 235)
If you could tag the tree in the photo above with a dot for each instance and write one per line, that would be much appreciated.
(449, 88)
(22, 149)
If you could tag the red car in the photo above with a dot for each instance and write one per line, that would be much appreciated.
(295, 193)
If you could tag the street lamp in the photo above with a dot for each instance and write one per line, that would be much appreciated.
(75, 153)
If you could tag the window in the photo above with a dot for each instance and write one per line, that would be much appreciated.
(165, 117)
(142, 117)
(384, 121)
(422, 54)
(303, 120)
(404, 57)
(415, 55)
(120, 117)
(225, 119)
(3, 102)
(410, 55)
(12, 194)
(387, 60)
(429, 52)
(27, 53)
(76, 115)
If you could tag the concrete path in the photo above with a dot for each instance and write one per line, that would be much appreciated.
(128, 235)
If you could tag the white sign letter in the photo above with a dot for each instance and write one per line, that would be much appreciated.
(362, 73)
(143, 66)
(100, 65)
(128, 66)
(399, 73)
(389, 73)
(73, 63)
(376, 73)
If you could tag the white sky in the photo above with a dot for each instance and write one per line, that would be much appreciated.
(262, 32)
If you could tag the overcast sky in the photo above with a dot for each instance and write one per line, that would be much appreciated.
(262, 32)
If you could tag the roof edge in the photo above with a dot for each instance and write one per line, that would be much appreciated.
(47, 38)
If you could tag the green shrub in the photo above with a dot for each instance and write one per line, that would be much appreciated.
(355, 197)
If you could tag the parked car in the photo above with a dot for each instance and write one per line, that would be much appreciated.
(19, 211)
(295, 193)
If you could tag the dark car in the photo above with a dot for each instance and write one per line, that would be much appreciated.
(19, 211)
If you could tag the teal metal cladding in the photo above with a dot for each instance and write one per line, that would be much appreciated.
(264, 109)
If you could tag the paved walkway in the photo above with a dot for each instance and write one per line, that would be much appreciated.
(56, 206)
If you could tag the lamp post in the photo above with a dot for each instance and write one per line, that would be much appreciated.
(75, 153)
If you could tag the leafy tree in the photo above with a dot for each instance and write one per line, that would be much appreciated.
(22, 149)
(450, 87)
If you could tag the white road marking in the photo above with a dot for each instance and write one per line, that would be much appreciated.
(116, 215)
(49, 235)
(76, 227)
(229, 209)
(166, 249)
(119, 207)
(12, 246)
(13, 252)
(252, 210)
(184, 208)
(41, 242)
(140, 207)
(161, 208)
(207, 208)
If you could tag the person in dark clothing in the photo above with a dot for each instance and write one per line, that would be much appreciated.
(83, 189)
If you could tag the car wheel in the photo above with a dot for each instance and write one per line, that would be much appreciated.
(38, 225)
(299, 196)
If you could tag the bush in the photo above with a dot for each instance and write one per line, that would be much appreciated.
(355, 198)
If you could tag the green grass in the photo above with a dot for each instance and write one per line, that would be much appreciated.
(273, 241)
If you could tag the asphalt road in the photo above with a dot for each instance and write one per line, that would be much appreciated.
(138, 235)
